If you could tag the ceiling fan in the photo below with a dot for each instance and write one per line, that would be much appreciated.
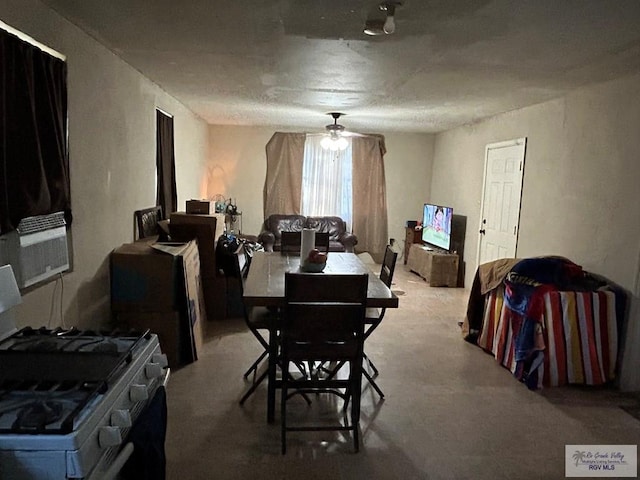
(384, 26)
(335, 139)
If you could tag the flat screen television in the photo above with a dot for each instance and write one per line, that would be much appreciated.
(436, 226)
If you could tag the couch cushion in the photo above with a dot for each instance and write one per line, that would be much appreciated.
(334, 225)
(277, 223)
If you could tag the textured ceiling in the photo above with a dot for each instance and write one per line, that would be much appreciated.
(286, 63)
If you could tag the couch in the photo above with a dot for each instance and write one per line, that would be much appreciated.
(339, 239)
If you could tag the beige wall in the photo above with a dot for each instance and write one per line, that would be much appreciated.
(237, 168)
(580, 192)
(580, 196)
(408, 164)
(112, 160)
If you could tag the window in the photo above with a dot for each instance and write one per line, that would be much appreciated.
(327, 181)
(34, 163)
(359, 198)
(166, 190)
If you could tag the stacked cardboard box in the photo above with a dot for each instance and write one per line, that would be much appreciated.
(206, 229)
(158, 287)
(199, 206)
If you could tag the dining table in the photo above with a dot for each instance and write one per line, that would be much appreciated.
(264, 286)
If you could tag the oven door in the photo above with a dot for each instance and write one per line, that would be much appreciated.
(142, 456)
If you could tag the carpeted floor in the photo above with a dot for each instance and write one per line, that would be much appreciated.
(450, 411)
(633, 410)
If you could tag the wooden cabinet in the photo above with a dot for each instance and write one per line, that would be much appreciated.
(438, 268)
(412, 236)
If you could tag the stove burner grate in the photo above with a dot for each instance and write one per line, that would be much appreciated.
(47, 377)
(37, 415)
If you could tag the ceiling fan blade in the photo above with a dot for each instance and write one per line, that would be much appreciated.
(352, 134)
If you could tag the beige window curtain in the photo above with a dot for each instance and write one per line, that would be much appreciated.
(283, 184)
(369, 195)
(327, 181)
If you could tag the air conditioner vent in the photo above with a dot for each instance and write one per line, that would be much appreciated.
(37, 249)
(40, 223)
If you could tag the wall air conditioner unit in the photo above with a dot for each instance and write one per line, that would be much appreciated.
(37, 248)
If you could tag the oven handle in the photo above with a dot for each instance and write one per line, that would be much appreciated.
(114, 469)
(125, 453)
(165, 380)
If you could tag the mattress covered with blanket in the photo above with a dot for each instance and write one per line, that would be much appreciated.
(549, 322)
(575, 338)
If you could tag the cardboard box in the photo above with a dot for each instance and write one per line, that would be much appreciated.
(160, 281)
(215, 297)
(195, 305)
(199, 206)
(146, 279)
(206, 229)
(167, 325)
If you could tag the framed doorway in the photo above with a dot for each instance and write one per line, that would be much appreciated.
(501, 197)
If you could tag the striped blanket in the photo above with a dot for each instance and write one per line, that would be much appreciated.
(575, 337)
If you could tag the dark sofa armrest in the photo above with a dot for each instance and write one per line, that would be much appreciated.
(349, 240)
(268, 240)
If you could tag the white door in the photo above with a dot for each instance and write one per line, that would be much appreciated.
(503, 172)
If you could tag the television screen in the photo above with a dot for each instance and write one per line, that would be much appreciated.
(436, 226)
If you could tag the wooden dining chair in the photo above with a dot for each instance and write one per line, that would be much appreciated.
(290, 242)
(323, 321)
(257, 319)
(147, 221)
(374, 316)
(322, 241)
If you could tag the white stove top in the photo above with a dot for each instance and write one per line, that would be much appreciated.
(85, 391)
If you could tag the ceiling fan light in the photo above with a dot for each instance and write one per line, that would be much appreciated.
(374, 32)
(333, 139)
(374, 27)
(389, 25)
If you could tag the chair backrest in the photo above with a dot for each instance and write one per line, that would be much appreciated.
(237, 265)
(147, 221)
(324, 315)
(388, 266)
(322, 241)
(290, 241)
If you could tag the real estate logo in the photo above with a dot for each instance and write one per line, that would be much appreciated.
(601, 461)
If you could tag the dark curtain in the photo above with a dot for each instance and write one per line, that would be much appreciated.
(167, 194)
(34, 161)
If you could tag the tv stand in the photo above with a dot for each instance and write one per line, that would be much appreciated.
(411, 236)
(438, 267)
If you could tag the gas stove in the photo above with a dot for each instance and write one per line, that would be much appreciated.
(69, 398)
